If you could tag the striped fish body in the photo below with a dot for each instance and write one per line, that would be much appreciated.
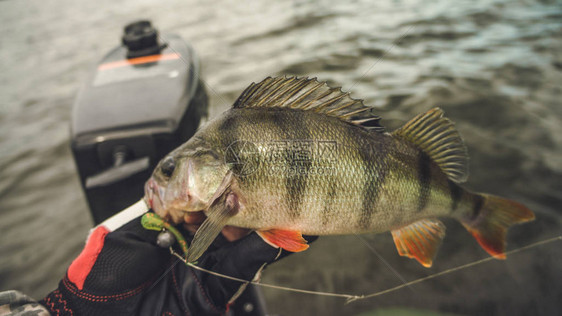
(293, 156)
(316, 174)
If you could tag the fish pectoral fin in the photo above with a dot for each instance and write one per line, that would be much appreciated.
(224, 205)
(420, 240)
(289, 240)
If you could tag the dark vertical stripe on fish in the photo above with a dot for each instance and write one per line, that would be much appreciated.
(234, 147)
(424, 179)
(297, 156)
(375, 176)
(478, 202)
(328, 210)
(456, 194)
(229, 130)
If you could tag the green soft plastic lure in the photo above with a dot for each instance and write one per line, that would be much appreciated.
(152, 221)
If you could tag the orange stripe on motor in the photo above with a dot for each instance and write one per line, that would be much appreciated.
(138, 61)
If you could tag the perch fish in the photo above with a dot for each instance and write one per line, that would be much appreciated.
(294, 156)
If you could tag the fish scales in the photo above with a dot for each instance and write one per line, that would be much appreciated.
(359, 166)
(294, 156)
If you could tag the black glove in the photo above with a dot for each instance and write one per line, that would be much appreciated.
(126, 273)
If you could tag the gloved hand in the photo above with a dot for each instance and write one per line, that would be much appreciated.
(125, 272)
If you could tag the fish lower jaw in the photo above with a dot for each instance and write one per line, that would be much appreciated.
(174, 215)
(177, 214)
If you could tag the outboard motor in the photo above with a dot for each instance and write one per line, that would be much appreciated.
(144, 99)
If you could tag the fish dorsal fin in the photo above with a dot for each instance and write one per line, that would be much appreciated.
(437, 137)
(420, 240)
(308, 95)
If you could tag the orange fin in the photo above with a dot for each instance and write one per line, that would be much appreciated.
(420, 240)
(289, 240)
(494, 218)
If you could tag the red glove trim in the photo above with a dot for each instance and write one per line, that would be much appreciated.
(82, 265)
(60, 300)
(104, 298)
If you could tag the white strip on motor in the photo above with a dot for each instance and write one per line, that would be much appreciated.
(125, 216)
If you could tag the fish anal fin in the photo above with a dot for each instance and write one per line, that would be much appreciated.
(436, 135)
(308, 94)
(289, 240)
(420, 240)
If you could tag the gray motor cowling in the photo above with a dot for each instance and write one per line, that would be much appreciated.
(142, 100)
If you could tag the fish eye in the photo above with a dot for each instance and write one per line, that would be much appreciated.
(168, 166)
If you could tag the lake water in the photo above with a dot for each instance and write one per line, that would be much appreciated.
(495, 67)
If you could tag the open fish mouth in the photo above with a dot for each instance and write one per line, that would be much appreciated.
(177, 209)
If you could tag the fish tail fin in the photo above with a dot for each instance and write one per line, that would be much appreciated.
(493, 215)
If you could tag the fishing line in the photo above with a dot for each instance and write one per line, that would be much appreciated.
(351, 297)
(353, 85)
(382, 56)
(198, 74)
(163, 275)
(464, 266)
(398, 275)
(284, 288)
